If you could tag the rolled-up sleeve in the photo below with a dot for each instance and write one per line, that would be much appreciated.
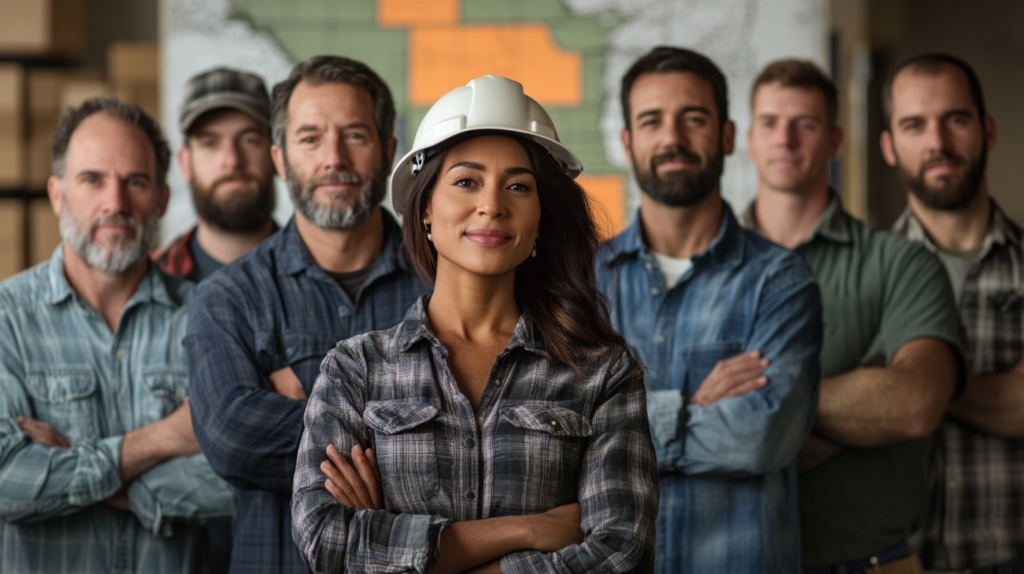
(181, 489)
(248, 432)
(333, 537)
(762, 431)
(618, 492)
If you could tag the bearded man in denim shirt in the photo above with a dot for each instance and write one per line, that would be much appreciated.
(727, 324)
(99, 468)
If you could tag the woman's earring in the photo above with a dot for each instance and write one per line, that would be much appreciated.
(534, 254)
(427, 227)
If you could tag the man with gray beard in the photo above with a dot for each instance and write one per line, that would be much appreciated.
(727, 324)
(259, 329)
(100, 470)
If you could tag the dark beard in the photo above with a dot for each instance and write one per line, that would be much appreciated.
(952, 197)
(242, 213)
(683, 188)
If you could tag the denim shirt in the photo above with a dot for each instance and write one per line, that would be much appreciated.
(543, 435)
(61, 364)
(274, 307)
(728, 470)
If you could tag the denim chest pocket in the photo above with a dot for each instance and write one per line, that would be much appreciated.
(165, 389)
(67, 398)
(541, 447)
(404, 446)
(701, 360)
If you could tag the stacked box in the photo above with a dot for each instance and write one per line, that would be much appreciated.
(45, 90)
(12, 237)
(133, 69)
(12, 111)
(42, 28)
(74, 92)
(44, 231)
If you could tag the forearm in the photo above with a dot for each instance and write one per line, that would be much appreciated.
(993, 404)
(39, 482)
(465, 545)
(142, 449)
(180, 488)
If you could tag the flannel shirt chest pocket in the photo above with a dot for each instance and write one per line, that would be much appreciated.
(404, 446)
(66, 398)
(539, 444)
(165, 387)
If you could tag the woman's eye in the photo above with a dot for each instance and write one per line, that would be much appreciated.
(464, 182)
(520, 186)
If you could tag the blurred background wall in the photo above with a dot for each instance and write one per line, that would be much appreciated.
(569, 54)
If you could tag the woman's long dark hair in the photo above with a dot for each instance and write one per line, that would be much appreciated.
(558, 287)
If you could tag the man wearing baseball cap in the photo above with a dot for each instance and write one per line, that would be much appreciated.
(225, 121)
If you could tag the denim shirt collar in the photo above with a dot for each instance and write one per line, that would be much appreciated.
(725, 249)
(152, 289)
(295, 256)
(416, 327)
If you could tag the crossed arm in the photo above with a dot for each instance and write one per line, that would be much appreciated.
(994, 403)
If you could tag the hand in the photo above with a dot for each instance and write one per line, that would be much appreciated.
(353, 487)
(285, 383)
(556, 529)
(178, 428)
(42, 433)
(119, 501)
(732, 377)
(815, 451)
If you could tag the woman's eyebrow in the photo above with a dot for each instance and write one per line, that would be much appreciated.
(469, 164)
(519, 171)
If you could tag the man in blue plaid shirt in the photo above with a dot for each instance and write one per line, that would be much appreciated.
(259, 329)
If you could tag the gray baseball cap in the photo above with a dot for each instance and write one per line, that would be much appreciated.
(224, 88)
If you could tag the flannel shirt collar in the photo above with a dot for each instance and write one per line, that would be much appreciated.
(295, 257)
(151, 290)
(725, 249)
(1000, 230)
(416, 327)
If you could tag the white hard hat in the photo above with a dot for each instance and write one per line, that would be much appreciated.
(490, 103)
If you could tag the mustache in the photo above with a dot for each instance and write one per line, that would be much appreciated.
(943, 157)
(338, 176)
(247, 177)
(116, 219)
(674, 154)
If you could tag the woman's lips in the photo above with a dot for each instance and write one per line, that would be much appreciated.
(490, 237)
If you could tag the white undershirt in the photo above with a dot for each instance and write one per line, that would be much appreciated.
(671, 268)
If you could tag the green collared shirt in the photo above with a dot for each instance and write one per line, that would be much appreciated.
(878, 293)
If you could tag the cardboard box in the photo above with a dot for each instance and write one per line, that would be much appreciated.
(42, 28)
(12, 113)
(44, 231)
(47, 93)
(38, 150)
(12, 237)
(133, 62)
(74, 92)
(146, 95)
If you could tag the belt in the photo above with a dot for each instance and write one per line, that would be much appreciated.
(1011, 567)
(897, 559)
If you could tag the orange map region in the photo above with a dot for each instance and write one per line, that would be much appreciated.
(445, 54)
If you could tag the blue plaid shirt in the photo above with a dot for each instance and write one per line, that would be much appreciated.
(542, 436)
(728, 470)
(61, 364)
(274, 308)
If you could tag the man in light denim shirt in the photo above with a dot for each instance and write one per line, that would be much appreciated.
(99, 467)
(727, 324)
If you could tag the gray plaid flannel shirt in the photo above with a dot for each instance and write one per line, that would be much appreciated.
(977, 504)
(542, 436)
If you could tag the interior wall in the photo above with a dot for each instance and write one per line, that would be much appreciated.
(109, 21)
(990, 37)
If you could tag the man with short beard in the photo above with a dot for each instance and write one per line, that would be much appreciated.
(225, 121)
(937, 137)
(890, 355)
(727, 324)
(259, 329)
(100, 470)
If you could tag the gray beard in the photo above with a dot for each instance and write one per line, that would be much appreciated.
(122, 255)
(328, 217)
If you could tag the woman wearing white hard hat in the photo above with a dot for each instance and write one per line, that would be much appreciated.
(507, 419)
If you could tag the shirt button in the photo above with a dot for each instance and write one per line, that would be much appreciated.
(655, 291)
(648, 266)
(470, 495)
(497, 383)
(343, 312)
(659, 339)
(469, 443)
(120, 353)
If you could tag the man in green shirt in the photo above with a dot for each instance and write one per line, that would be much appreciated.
(891, 360)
